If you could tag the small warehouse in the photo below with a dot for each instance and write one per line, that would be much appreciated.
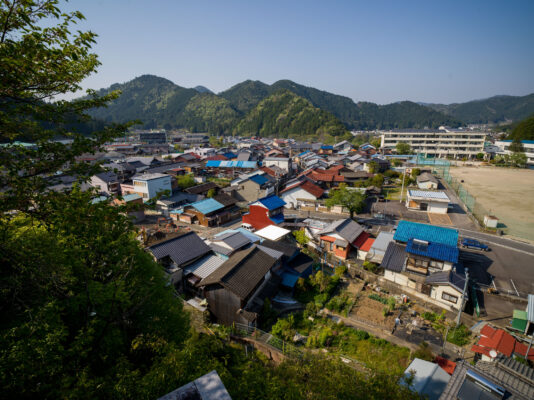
(428, 200)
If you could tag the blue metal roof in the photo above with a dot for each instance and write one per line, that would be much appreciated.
(435, 251)
(230, 155)
(522, 141)
(278, 218)
(407, 230)
(304, 152)
(259, 179)
(231, 164)
(272, 202)
(327, 147)
(289, 280)
(130, 197)
(207, 206)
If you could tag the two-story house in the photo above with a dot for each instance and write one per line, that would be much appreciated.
(265, 211)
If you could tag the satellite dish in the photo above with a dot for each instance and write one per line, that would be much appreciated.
(493, 353)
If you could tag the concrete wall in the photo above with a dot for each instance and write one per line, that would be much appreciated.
(437, 291)
(437, 208)
(427, 185)
(291, 196)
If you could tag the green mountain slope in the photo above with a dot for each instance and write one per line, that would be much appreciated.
(246, 95)
(523, 130)
(494, 109)
(155, 101)
(284, 114)
(207, 112)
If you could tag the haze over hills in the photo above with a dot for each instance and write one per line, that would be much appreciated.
(494, 109)
(158, 102)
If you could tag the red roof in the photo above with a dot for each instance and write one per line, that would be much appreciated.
(360, 240)
(218, 157)
(366, 246)
(447, 365)
(500, 341)
(480, 350)
(308, 186)
(268, 171)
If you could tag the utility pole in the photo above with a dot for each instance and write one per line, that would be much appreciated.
(463, 298)
(402, 188)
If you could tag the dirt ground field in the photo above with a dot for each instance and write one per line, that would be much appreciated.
(508, 193)
(371, 310)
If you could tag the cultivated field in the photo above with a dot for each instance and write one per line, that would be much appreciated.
(508, 193)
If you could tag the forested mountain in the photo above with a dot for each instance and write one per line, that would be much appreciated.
(493, 109)
(158, 102)
(246, 95)
(523, 130)
(362, 115)
(202, 89)
(285, 114)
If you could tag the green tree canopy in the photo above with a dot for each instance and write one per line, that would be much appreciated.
(352, 199)
(403, 148)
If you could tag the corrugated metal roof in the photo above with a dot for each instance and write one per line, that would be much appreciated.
(235, 240)
(231, 164)
(205, 266)
(207, 206)
(131, 197)
(394, 258)
(428, 378)
(272, 202)
(428, 194)
(407, 230)
(289, 280)
(436, 251)
(382, 241)
(277, 255)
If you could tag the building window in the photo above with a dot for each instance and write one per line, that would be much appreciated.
(449, 297)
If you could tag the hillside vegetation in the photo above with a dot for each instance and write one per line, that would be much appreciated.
(492, 110)
(289, 115)
(524, 130)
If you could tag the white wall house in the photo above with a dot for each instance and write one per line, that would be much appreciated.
(427, 200)
(427, 181)
(149, 185)
(281, 162)
(296, 195)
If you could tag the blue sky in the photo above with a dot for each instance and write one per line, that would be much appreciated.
(379, 51)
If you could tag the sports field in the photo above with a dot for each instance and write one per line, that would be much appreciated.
(507, 193)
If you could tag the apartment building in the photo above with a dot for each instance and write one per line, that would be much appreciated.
(149, 185)
(443, 142)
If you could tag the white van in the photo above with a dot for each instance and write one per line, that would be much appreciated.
(248, 227)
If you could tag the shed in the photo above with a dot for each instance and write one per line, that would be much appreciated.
(428, 378)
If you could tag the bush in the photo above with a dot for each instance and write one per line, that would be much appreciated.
(424, 352)
(459, 336)
(283, 328)
(429, 316)
(340, 271)
(361, 335)
(325, 336)
(376, 297)
(320, 299)
(370, 266)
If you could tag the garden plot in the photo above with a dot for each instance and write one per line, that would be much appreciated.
(370, 310)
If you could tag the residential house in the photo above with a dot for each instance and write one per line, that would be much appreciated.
(202, 189)
(124, 170)
(210, 212)
(494, 342)
(177, 253)
(106, 182)
(228, 168)
(378, 249)
(273, 232)
(299, 192)
(283, 163)
(226, 244)
(265, 211)
(148, 185)
(235, 292)
(426, 200)
(343, 146)
(137, 211)
(424, 258)
(364, 249)
(503, 378)
(326, 149)
(166, 204)
(340, 236)
(425, 378)
(255, 187)
(427, 181)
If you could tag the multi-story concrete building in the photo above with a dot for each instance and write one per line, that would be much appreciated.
(528, 146)
(149, 185)
(442, 142)
(153, 137)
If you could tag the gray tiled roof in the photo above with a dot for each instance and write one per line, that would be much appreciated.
(346, 228)
(289, 250)
(394, 257)
(107, 176)
(235, 240)
(452, 278)
(242, 272)
(301, 263)
(271, 252)
(181, 249)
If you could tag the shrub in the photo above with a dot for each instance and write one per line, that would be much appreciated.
(361, 335)
(424, 352)
(324, 336)
(385, 311)
(429, 316)
(283, 328)
(370, 266)
(376, 297)
(320, 299)
(340, 271)
(459, 336)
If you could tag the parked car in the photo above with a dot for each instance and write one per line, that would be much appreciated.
(248, 227)
(474, 244)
